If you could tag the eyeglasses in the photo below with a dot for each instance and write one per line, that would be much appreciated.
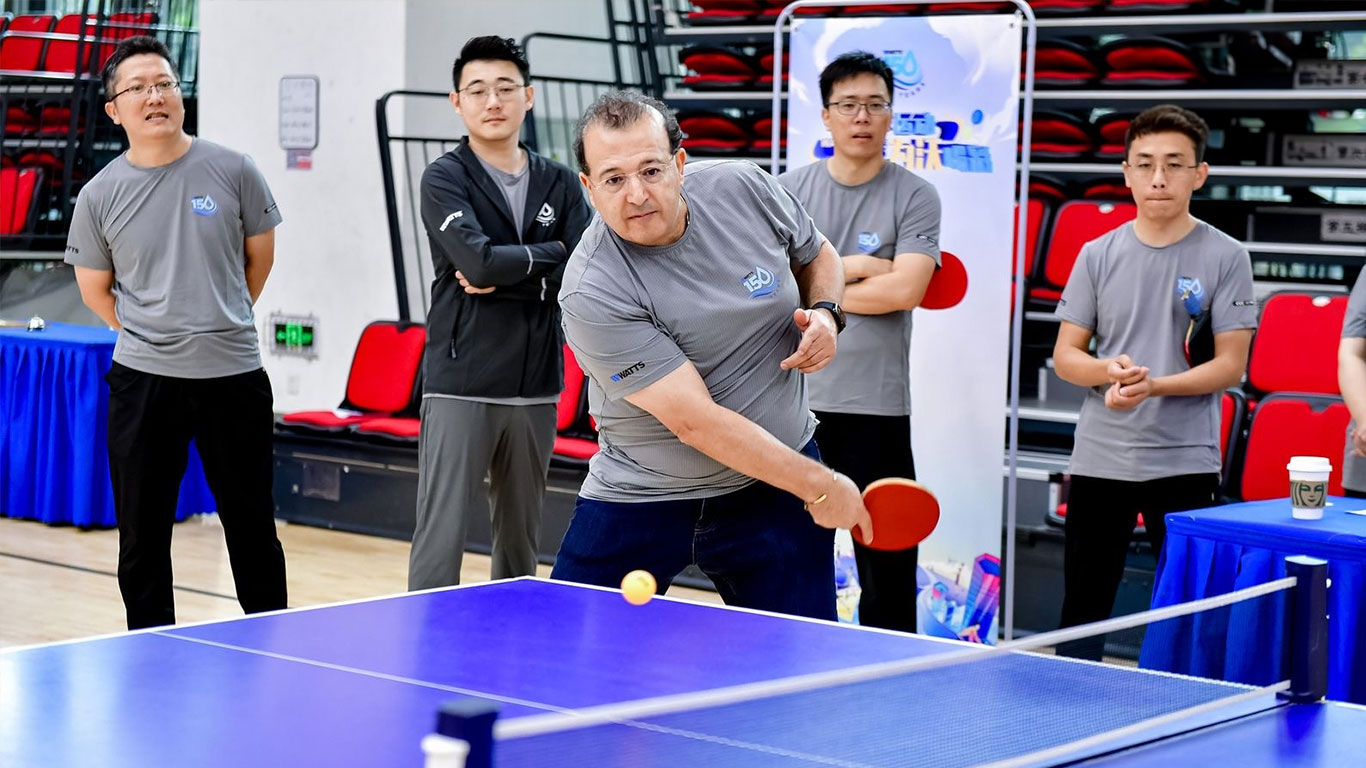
(650, 174)
(144, 91)
(504, 92)
(1171, 170)
(851, 108)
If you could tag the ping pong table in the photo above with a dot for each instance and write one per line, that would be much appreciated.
(360, 683)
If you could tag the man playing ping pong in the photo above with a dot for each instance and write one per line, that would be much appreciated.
(697, 303)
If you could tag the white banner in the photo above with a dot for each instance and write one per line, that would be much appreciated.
(956, 114)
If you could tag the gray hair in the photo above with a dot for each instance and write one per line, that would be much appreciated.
(617, 109)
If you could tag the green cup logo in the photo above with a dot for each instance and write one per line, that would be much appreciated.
(1308, 494)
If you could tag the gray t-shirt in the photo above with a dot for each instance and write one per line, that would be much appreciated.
(894, 212)
(174, 236)
(1129, 295)
(722, 297)
(513, 185)
(1354, 327)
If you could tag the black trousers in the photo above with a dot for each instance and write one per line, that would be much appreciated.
(1101, 515)
(868, 448)
(151, 421)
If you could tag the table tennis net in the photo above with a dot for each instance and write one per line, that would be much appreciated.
(1014, 704)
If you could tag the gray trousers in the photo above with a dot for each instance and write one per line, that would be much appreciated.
(460, 443)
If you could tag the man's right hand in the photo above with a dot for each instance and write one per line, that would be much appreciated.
(1122, 371)
(1359, 441)
(843, 508)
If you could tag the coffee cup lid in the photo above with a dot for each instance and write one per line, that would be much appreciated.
(1309, 464)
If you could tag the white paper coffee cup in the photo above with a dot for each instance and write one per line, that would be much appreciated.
(1308, 486)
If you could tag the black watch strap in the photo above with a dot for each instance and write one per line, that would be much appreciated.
(835, 312)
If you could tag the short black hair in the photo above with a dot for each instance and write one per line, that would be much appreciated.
(1169, 118)
(615, 110)
(848, 65)
(491, 48)
(133, 46)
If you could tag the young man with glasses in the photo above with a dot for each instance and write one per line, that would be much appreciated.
(501, 221)
(172, 243)
(1148, 437)
(697, 304)
(885, 221)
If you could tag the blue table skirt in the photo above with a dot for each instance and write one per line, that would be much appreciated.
(54, 408)
(1213, 551)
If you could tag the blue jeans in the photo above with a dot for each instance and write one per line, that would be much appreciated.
(758, 545)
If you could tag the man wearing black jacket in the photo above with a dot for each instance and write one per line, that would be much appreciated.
(502, 221)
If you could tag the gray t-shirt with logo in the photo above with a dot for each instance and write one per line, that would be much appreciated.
(1129, 295)
(894, 212)
(1354, 327)
(722, 297)
(175, 237)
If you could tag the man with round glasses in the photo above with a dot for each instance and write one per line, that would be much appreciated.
(884, 220)
(698, 303)
(501, 221)
(1148, 436)
(172, 243)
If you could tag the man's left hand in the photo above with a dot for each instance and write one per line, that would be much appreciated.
(817, 348)
(472, 288)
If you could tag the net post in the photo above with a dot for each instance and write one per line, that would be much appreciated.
(1308, 630)
(470, 720)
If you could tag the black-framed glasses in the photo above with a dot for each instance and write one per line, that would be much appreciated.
(504, 91)
(143, 90)
(851, 108)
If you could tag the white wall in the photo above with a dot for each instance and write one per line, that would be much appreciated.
(332, 255)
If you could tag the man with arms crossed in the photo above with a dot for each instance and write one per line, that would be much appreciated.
(1148, 437)
(172, 243)
(885, 220)
(697, 308)
(502, 221)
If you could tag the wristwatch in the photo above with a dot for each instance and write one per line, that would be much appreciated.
(835, 312)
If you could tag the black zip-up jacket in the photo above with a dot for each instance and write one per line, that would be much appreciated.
(506, 343)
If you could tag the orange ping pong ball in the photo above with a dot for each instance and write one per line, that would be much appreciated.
(638, 587)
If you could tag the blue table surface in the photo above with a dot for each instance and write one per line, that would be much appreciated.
(1268, 524)
(59, 333)
(359, 684)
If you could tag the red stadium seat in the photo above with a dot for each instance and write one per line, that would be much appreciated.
(399, 429)
(1286, 425)
(574, 441)
(382, 382)
(17, 186)
(1077, 223)
(1155, 61)
(1295, 349)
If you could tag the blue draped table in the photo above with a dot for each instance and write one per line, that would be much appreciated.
(1221, 549)
(54, 409)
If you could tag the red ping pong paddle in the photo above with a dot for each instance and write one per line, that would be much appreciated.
(903, 512)
(948, 285)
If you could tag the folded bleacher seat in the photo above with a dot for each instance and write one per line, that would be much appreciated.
(393, 429)
(1111, 129)
(1062, 63)
(763, 134)
(1063, 7)
(383, 381)
(1150, 61)
(19, 121)
(1048, 188)
(716, 67)
(723, 11)
(712, 132)
(1059, 135)
(1107, 189)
